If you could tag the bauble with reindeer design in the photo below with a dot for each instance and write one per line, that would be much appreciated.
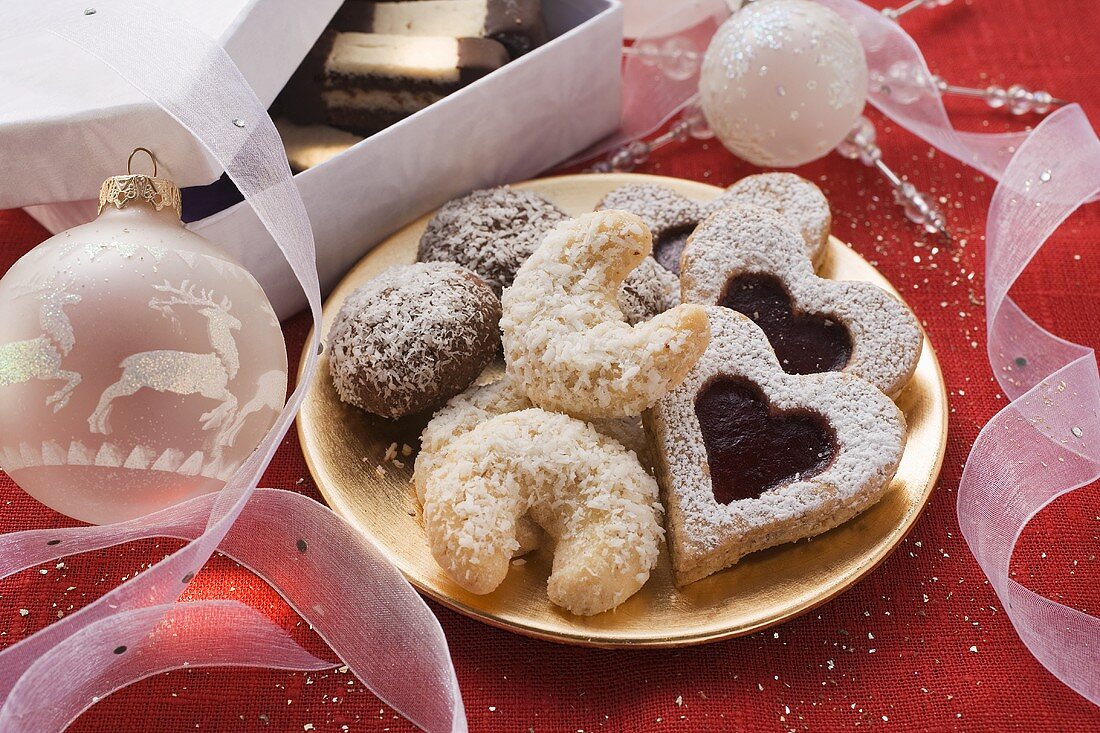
(140, 364)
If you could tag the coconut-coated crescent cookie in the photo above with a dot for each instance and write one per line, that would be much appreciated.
(585, 490)
(459, 416)
(565, 340)
(752, 260)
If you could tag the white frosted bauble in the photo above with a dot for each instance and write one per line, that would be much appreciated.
(783, 81)
(139, 366)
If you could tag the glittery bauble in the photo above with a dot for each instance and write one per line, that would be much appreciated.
(139, 365)
(783, 82)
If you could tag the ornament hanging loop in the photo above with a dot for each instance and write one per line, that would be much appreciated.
(148, 152)
(121, 191)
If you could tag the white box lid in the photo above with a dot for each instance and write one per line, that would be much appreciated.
(73, 121)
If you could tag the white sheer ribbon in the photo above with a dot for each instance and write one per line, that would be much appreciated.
(370, 615)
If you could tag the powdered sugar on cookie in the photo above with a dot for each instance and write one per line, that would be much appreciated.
(790, 196)
(867, 430)
(746, 240)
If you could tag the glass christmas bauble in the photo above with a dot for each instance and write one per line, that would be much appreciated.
(139, 363)
(783, 82)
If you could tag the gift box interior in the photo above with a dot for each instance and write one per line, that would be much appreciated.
(513, 122)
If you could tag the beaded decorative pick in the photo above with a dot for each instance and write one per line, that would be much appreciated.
(1017, 99)
(906, 84)
(918, 206)
(895, 13)
(692, 124)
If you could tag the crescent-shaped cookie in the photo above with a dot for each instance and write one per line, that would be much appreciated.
(585, 490)
(565, 340)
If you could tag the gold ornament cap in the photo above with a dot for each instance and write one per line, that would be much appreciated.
(121, 191)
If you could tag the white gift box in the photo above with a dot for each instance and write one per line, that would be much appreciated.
(512, 124)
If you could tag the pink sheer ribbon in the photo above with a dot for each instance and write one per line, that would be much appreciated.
(362, 606)
(1044, 443)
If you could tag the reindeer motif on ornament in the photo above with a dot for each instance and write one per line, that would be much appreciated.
(183, 372)
(40, 358)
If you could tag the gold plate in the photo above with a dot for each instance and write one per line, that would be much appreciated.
(344, 446)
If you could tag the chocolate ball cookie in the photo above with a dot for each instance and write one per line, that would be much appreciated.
(492, 232)
(412, 337)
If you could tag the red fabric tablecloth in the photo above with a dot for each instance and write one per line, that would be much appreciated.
(920, 644)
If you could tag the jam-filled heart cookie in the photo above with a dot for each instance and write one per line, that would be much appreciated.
(585, 490)
(790, 196)
(672, 217)
(751, 260)
(750, 456)
(491, 232)
(565, 340)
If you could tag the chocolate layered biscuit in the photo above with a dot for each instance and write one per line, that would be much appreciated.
(372, 80)
(517, 24)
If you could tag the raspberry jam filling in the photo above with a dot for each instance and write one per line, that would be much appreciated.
(806, 343)
(752, 447)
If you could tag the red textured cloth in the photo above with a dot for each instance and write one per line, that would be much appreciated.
(920, 644)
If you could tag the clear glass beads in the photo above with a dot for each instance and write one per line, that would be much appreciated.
(919, 207)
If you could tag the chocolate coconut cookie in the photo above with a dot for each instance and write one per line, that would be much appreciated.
(648, 290)
(412, 337)
(492, 232)
(495, 230)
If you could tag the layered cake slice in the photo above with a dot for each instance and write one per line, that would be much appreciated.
(372, 80)
(517, 24)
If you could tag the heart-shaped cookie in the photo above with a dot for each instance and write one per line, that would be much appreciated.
(750, 456)
(790, 196)
(752, 260)
(672, 217)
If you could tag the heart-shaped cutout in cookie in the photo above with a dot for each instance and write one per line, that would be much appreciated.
(669, 245)
(752, 260)
(806, 343)
(752, 447)
(750, 457)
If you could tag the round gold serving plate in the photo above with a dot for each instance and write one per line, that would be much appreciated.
(344, 448)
